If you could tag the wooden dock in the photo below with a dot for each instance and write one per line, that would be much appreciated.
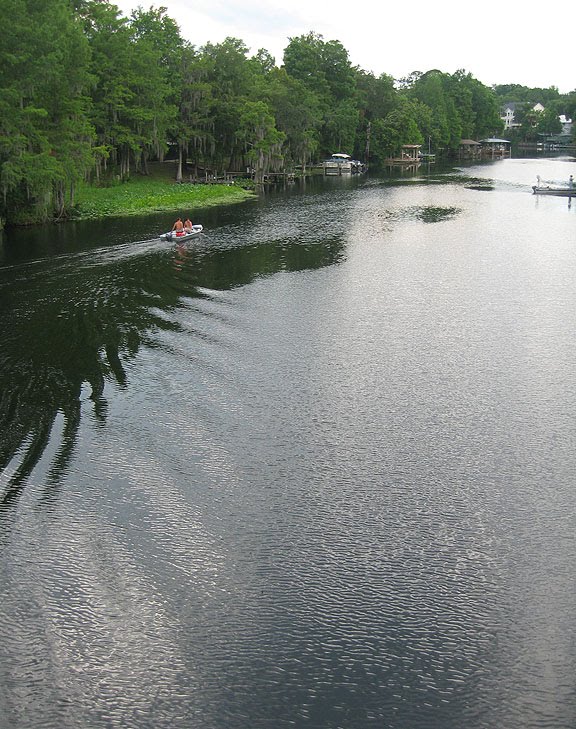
(229, 178)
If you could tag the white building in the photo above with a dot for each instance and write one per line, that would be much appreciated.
(566, 125)
(508, 111)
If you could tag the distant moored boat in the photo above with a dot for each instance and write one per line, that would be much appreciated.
(342, 164)
(550, 187)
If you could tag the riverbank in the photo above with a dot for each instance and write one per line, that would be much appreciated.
(140, 196)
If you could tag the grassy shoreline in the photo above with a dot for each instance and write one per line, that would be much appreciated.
(149, 195)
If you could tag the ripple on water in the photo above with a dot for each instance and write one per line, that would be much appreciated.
(332, 489)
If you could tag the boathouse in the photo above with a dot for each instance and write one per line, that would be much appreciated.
(494, 147)
(409, 155)
(469, 149)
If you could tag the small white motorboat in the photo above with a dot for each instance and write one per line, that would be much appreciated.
(182, 235)
(565, 189)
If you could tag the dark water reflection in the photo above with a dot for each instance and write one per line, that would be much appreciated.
(314, 469)
(73, 313)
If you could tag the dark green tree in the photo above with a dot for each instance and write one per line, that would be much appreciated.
(192, 130)
(231, 78)
(133, 62)
(297, 112)
(325, 69)
(340, 124)
(376, 96)
(45, 132)
(399, 127)
(476, 104)
(548, 122)
(303, 60)
(432, 89)
(261, 140)
(157, 53)
(111, 49)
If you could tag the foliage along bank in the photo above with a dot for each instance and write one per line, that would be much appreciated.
(142, 195)
(94, 96)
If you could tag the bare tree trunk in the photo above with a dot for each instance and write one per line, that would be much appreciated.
(125, 164)
(259, 168)
(59, 199)
(179, 167)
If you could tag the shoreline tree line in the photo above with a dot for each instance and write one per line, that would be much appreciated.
(92, 95)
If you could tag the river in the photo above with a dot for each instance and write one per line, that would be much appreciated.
(313, 469)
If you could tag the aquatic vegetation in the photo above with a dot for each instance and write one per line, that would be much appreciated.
(425, 214)
(138, 197)
(479, 183)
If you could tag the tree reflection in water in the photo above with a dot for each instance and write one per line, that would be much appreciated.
(70, 323)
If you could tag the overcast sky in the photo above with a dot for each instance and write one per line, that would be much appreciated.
(497, 42)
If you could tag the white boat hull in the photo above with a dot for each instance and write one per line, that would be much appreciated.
(339, 164)
(337, 169)
(179, 237)
(563, 191)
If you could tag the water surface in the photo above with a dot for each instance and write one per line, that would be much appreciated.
(313, 469)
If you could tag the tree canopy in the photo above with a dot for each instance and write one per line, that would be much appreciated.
(101, 95)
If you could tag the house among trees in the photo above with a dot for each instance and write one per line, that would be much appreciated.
(531, 123)
(512, 112)
(507, 115)
(566, 126)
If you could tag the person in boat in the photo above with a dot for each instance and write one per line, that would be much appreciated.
(178, 226)
(188, 227)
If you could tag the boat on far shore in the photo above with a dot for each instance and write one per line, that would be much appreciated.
(549, 187)
(342, 164)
